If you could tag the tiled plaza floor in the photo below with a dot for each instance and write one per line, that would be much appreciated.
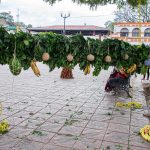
(48, 113)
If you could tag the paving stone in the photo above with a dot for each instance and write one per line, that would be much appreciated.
(19, 132)
(118, 128)
(92, 134)
(97, 125)
(64, 140)
(137, 140)
(113, 146)
(49, 146)
(68, 114)
(112, 136)
(50, 126)
(40, 136)
(26, 144)
(71, 130)
(86, 144)
(7, 142)
(120, 120)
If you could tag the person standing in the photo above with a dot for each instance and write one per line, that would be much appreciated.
(147, 73)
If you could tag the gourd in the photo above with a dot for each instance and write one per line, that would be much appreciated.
(15, 66)
(45, 56)
(108, 59)
(69, 57)
(126, 56)
(90, 57)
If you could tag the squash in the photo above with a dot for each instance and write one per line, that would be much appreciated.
(126, 56)
(15, 66)
(45, 57)
(90, 57)
(69, 57)
(108, 59)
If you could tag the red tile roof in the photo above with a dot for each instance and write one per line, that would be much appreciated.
(70, 27)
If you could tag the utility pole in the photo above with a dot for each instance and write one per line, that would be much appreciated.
(65, 17)
(18, 16)
(17, 27)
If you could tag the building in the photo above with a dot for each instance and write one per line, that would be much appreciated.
(86, 30)
(133, 32)
(11, 27)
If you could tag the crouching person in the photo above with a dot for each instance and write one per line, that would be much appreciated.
(116, 79)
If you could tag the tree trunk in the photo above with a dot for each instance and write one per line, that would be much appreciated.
(66, 73)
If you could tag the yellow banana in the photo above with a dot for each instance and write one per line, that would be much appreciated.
(35, 68)
(89, 69)
(132, 69)
(86, 70)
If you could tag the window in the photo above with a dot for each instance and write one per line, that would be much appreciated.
(147, 32)
(136, 32)
(124, 32)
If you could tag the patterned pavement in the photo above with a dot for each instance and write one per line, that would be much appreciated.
(48, 113)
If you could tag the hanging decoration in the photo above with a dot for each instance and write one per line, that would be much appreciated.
(45, 56)
(87, 69)
(15, 65)
(35, 68)
(66, 73)
(90, 57)
(132, 69)
(108, 57)
(126, 57)
(70, 58)
(101, 54)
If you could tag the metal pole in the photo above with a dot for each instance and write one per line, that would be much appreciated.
(64, 32)
(65, 17)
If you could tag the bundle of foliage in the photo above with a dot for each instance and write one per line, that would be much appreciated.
(58, 47)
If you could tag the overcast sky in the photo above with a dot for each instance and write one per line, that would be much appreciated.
(39, 13)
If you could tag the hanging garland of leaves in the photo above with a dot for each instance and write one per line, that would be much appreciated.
(58, 50)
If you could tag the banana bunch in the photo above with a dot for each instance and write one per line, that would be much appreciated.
(132, 69)
(87, 70)
(35, 68)
(128, 105)
(4, 126)
(145, 132)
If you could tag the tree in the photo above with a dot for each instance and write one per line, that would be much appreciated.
(109, 25)
(95, 3)
(130, 14)
(7, 16)
(29, 26)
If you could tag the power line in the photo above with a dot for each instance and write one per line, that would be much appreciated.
(94, 16)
